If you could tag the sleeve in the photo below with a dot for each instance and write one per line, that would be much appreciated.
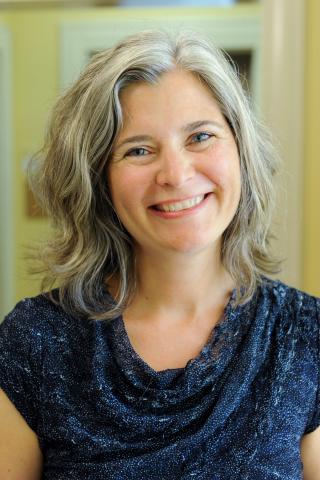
(20, 361)
(314, 421)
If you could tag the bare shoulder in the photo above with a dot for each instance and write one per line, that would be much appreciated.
(20, 453)
(310, 448)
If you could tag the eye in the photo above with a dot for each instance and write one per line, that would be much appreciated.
(137, 152)
(200, 137)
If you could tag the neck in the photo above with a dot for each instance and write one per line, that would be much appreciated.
(185, 286)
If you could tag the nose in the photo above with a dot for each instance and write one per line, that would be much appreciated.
(175, 168)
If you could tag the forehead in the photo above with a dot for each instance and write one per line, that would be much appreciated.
(176, 94)
(171, 82)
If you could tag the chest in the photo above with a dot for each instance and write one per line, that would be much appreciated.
(101, 415)
(101, 434)
(168, 346)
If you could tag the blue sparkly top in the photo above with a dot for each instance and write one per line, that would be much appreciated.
(236, 411)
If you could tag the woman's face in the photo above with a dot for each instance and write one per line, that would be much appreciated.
(174, 174)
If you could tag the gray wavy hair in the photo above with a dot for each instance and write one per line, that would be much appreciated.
(88, 244)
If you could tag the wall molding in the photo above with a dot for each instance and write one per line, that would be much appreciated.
(6, 167)
(228, 31)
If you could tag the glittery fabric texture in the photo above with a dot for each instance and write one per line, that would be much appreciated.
(236, 411)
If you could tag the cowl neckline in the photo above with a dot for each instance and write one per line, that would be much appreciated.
(210, 362)
(198, 399)
(170, 373)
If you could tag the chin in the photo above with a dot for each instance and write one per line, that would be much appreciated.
(192, 246)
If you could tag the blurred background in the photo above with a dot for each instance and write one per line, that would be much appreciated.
(45, 43)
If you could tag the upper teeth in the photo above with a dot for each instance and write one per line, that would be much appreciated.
(175, 207)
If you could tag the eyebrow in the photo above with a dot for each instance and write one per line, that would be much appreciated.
(193, 125)
(186, 128)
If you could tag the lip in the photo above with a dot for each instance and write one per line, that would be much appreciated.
(181, 213)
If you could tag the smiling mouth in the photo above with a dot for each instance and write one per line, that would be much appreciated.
(183, 205)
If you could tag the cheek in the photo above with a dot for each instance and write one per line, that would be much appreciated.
(225, 167)
(125, 186)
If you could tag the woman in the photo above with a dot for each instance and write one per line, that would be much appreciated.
(165, 352)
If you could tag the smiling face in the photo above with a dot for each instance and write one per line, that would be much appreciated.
(174, 174)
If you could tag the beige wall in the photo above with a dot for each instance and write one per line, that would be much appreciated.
(35, 71)
(311, 246)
